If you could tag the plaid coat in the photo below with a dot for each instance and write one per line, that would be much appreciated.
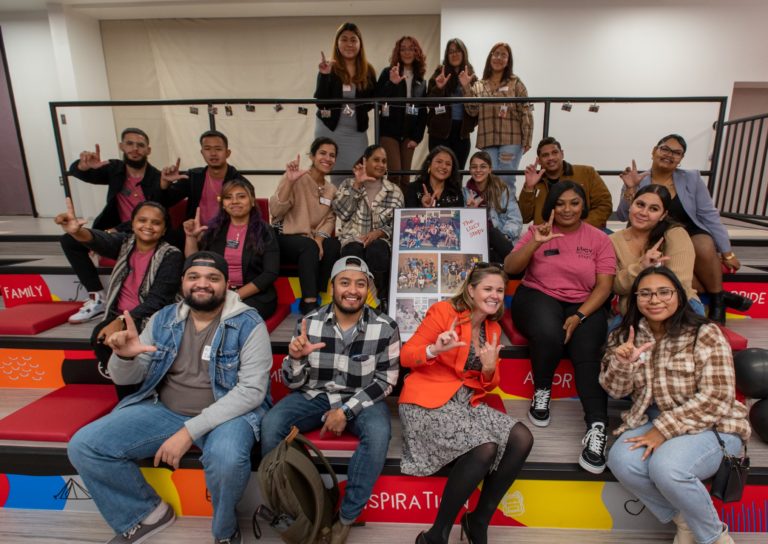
(494, 128)
(357, 218)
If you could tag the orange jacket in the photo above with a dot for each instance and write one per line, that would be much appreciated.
(432, 382)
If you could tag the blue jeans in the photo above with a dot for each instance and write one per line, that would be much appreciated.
(371, 426)
(506, 157)
(669, 481)
(105, 454)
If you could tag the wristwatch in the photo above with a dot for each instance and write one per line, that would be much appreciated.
(581, 316)
(347, 412)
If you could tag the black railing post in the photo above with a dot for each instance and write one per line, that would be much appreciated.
(376, 121)
(716, 147)
(547, 106)
(59, 148)
(211, 116)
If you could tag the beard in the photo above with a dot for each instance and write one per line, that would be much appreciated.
(338, 303)
(141, 163)
(208, 305)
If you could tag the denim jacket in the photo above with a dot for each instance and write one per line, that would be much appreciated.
(510, 222)
(239, 366)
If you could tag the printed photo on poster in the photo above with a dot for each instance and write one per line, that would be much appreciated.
(454, 268)
(409, 312)
(434, 229)
(417, 273)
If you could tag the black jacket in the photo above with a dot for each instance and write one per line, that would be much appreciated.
(399, 124)
(113, 175)
(192, 188)
(449, 198)
(330, 86)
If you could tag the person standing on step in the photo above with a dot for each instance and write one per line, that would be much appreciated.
(203, 368)
(342, 363)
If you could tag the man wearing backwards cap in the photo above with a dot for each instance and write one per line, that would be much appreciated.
(210, 333)
(342, 362)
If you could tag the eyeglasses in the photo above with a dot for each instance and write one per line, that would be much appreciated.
(500, 55)
(669, 151)
(664, 294)
(454, 52)
(481, 166)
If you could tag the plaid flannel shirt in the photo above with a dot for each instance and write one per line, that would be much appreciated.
(691, 380)
(358, 218)
(358, 374)
(515, 127)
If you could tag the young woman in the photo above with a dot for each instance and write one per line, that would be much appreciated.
(692, 207)
(439, 184)
(365, 206)
(652, 239)
(678, 369)
(304, 220)
(449, 124)
(504, 130)
(347, 75)
(487, 190)
(401, 126)
(454, 357)
(247, 243)
(569, 267)
(146, 275)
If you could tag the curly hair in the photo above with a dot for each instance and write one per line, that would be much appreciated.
(419, 58)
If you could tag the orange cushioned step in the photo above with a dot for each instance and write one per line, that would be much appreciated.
(59, 414)
(515, 336)
(35, 317)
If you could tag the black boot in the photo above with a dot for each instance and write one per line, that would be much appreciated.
(717, 307)
(380, 281)
(736, 301)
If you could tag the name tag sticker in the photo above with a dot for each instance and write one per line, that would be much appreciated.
(439, 110)
(326, 201)
(551, 252)
(503, 89)
(207, 353)
(346, 88)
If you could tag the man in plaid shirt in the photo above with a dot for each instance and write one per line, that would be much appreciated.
(342, 362)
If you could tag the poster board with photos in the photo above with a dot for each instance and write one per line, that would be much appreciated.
(433, 249)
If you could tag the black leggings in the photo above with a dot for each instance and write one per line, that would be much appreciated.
(540, 318)
(460, 146)
(77, 255)
(499, 246)
(314, 272)
(103, 353)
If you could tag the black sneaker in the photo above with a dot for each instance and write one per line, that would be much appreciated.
(539, 411)
(234, 539)
(141, 532)
(592, 457)
(307, 307)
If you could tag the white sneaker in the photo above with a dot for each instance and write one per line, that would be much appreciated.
(93, 308)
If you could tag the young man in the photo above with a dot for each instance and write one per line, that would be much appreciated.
(130, 181)
(210, 333)
(342, 362)
(553, 169)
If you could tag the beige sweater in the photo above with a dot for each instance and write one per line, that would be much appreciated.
(677, 246)
(303, 213)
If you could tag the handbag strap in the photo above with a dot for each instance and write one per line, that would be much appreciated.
(722, 444)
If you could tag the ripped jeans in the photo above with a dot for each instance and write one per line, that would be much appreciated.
(506, 157)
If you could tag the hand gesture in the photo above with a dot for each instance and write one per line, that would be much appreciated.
(361, 174)
(627, 353)
(171, 175)
(69, 222)
(465, 77)
(126, 343)
(441, 78)
(324, 67)
(371, 236)
(292, 170)
(533, 175)
(173, 449)
(394, 74)
(411, 144)
(631, 177)
(489, 354)
(654, 257)
(91, 160)
(447, 340)
(474, 200)
(732, 264)
(192, 227)
(428, 200)
(543, 233)
(300, 346)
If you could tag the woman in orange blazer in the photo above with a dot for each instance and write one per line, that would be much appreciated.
(453, 357)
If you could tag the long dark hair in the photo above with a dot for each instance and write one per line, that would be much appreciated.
(488, 70)
(665, 224)
(557, 191)
(494, 186)
(453, 183)
(453, 81)
(363, 70)
(159, 207)
(419, 59)
(682, 321)
(257, 228)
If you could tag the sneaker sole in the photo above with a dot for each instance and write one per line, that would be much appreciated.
(591, 468)
(538, 422)
(78, 321)
(156, 530)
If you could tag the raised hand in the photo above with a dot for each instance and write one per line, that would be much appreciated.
(361, 174)
(654, 257)
(631, 177)
(447, 340)
(91, 160)
(170, 175)
(293, 170)
(474, 200)
(394, 74)
(300, 346)
(489, 354)
(627, 352)
(428, 200)
(324, 67)
(68, 221)
(441, 78)
(126, 344)
(192, 227)
(533, 175)
(543, 233)
(465, 77)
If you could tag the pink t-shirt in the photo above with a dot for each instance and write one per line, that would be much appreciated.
(209, 200)
(129, 196)
(565, 268)
(138, 263)
(233, 253)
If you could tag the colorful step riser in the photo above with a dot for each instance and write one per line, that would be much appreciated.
(405, 499)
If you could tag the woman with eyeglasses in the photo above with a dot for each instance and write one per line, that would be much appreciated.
(438, 184)
(453, 359)
(449, 124)
(401, 125)
(653, 239)
(346, 75)
(504, 130)
(678, 369)
(486, 190)
(692, 207)
(569, 268)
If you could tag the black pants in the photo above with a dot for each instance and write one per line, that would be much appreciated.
(499, 246)
(314, 272)
(77, 255)
(540, 318)
(460, 146)
(377, 256)
(103, 353)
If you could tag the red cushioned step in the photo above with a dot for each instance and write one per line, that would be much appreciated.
(509, 329)
(346, 442)
(281, 312)
(495, 402)
(35, 317)
(59, 414)
(737, 341)
(105, 262)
